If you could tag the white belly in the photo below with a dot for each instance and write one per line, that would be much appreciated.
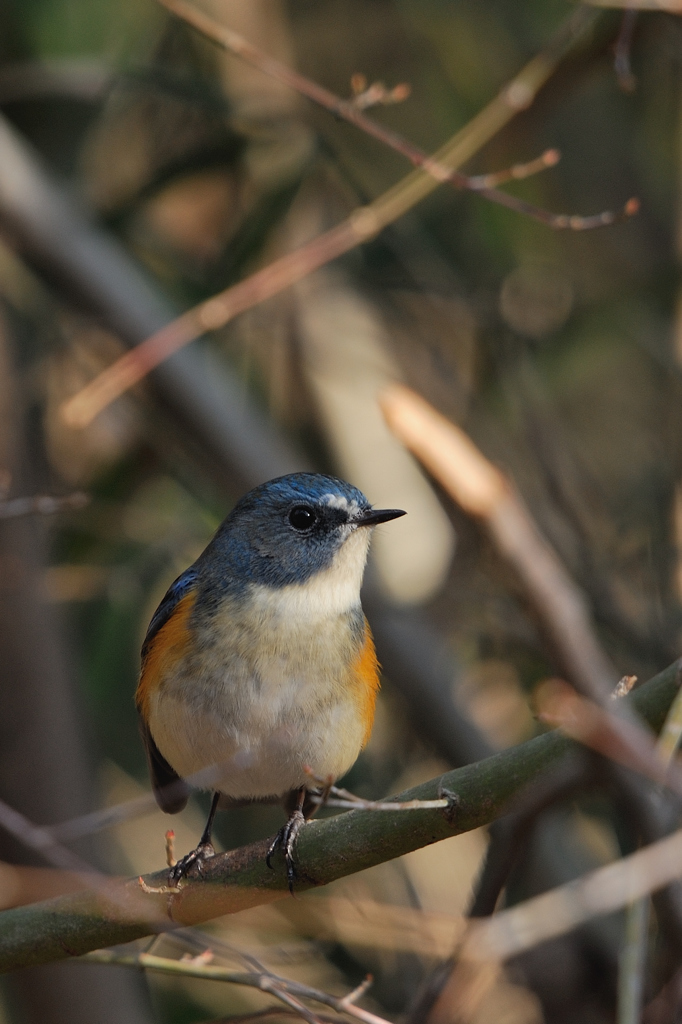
(262, 719)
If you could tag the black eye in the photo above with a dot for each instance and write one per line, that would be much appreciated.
(302, 517)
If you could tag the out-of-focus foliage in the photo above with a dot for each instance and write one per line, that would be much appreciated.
(559, 352)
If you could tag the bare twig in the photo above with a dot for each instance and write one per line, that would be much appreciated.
(517, 172)
(42, 840)
(43, 505)
(362, 225)
(631, 962)
(609, 888)
(484, 492)
(359, 804)
(512, 932)
(334, 796)
(288, 991)
(632, 959)
(620, 739)
(510, 835)
(268, 1012)
(351, 111)
(107, 817)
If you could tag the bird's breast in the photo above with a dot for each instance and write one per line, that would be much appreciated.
(271, 682)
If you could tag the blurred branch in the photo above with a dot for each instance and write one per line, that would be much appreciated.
(632, 960)
(514, 931)
(85, 80)
(269, 1011)
(361, 226)
(622, 48)
(264, 980)
(602, 891)
(233, 881)
(673, 6)
(34, 837)
(620, 739)
(42, 504)
(484, 492)
(351, 111)
(92, 268)
(511, 834)
(46, 774)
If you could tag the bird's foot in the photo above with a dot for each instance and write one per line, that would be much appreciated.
(195, 858)
(286, 841)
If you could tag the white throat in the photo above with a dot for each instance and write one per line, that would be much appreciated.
(325, 595)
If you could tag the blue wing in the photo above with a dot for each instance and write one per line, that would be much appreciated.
(175, 593)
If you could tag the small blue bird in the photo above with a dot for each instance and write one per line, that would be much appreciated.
(259, 665)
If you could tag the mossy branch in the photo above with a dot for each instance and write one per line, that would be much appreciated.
(123, 910)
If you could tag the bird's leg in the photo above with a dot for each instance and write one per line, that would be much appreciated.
(288, 834)
(202, 851)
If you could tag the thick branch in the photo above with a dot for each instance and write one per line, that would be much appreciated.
(74, 924)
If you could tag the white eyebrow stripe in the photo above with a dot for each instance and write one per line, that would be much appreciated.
(352, 507)
(335, 500)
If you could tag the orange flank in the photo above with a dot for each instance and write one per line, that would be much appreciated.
(365, 676)
(166, 649)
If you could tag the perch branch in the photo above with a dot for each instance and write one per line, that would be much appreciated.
(75, 924)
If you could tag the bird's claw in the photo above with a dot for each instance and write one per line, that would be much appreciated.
(286, 840)
(195, 858)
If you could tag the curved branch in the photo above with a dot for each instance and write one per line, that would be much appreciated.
(74, 924)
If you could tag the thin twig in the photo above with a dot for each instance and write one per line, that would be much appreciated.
(350, 110)
(268, 1012)
(517, 172)
(632, 960)
(282, 988)
(483, 491)
(361, 226)
(671, 733)
(43, 505)
(560, 910)
(620, 739)
(41, 840)
(107, 817)
(358, 804)
(333, 796)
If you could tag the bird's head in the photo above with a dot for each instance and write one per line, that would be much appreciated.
(293, 528)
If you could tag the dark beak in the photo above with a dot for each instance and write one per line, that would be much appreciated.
(374, 516)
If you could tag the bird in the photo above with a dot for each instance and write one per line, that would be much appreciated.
(259, 675)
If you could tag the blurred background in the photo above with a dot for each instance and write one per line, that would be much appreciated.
(142, 170)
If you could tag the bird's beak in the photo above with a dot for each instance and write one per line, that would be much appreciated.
(374, 516)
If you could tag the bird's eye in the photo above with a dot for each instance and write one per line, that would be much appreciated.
(302, 517)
